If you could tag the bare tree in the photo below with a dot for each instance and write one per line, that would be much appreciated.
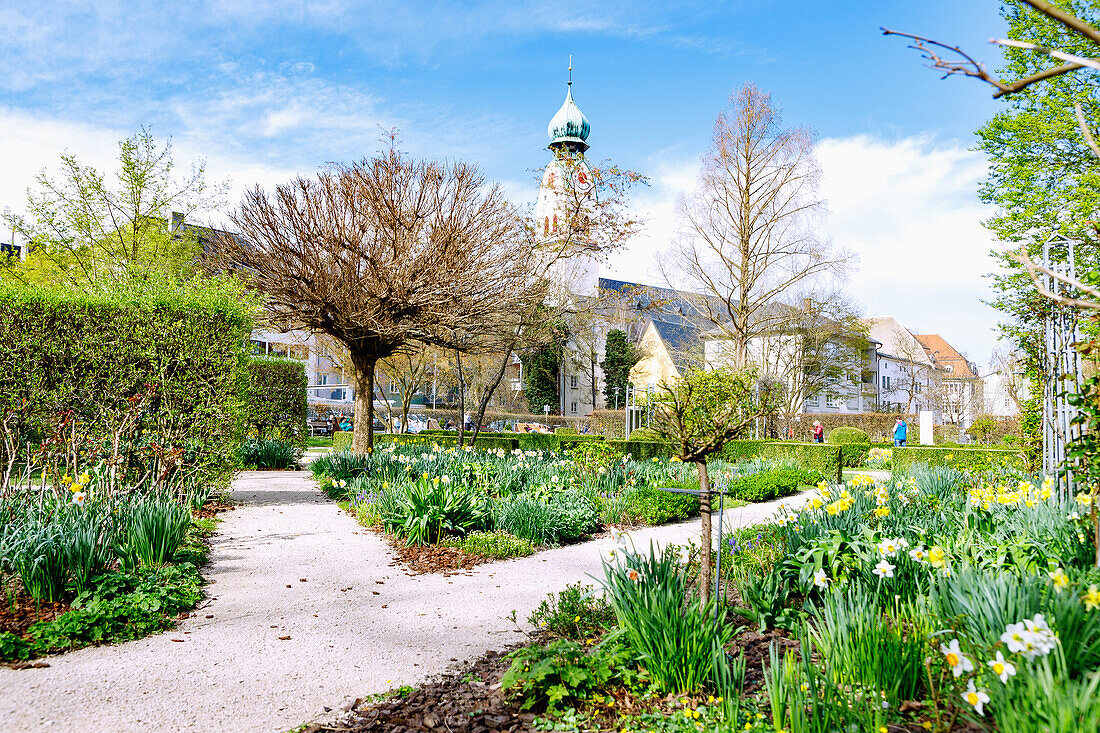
(747, 232)
(382, 253)
(408, 371)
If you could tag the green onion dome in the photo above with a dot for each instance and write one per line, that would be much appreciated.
(569, 128)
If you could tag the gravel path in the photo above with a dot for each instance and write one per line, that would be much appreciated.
(289, 563)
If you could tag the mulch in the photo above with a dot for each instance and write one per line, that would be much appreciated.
(467, 699)
(425, 559)
(19, 610)
(213, 507)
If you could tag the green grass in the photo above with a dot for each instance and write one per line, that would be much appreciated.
(319, 441)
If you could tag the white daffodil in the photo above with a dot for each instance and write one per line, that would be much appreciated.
(1002, 667)
(955, 659)
(884, 569)
(821, 580)
(975, 698)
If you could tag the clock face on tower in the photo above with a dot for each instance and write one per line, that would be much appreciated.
(582, 178)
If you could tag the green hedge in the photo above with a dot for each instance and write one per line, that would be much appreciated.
(160, 362)
(773, 484)
(854, 455)
(341, 440)
(273, 399)
(743, 450)
(815, 456)
(642, 450)
(964, 459)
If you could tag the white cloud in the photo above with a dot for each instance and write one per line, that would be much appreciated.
(906, 208)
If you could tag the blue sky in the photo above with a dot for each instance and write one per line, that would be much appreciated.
(265, 90)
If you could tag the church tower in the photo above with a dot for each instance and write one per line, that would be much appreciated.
(565, 194)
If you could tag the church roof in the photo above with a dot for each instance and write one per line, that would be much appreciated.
(569, 127)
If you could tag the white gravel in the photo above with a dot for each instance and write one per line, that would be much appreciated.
(289, 563)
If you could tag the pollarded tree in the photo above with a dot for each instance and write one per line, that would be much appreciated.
(385, 253)
(699, 414)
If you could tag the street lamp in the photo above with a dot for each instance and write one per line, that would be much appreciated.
(616, 398)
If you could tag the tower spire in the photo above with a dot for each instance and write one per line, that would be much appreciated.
(570, 83)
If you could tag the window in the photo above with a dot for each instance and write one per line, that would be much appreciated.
(394, 387)
(546, 226)
(812, 400)
(555, 224)
(572, 406)
(573, 383)
(258, 347)
(832, 400)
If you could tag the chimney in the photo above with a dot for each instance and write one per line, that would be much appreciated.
(177, 220)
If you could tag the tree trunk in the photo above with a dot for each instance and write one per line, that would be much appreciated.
(461, 397)
(362, 434)
(489, 393)
(705, 576)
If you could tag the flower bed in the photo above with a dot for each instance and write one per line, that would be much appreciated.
(933, 601)
(499, 503)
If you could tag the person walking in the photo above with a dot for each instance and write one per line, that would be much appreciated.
(819, 432)
(900, 432)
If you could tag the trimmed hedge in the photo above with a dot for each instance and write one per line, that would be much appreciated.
(773, 484)
(341, 440)
(273, 397)
(743, 450)
(964, 459)
(815, 456)
(162, 362)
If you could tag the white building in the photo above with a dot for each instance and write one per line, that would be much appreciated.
(907, 377)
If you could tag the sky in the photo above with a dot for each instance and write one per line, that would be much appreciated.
(265, 91)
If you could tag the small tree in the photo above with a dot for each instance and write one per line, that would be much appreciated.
(620, 356)
(700, 414)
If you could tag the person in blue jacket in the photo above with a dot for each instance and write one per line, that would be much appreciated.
(900, 430)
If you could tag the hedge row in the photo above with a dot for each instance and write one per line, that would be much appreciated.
(964, 459)
(638, 449)
(157, 366)
(273, 399)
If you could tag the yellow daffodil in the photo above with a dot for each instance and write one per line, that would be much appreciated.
(1091, 599)
(1059, 578)
(936, 556)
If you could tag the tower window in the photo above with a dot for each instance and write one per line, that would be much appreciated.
(546, 226)
(555, 223)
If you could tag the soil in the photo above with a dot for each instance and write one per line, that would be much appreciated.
(467, 699)
(213, 507)
(19, 611)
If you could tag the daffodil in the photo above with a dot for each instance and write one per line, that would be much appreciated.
(1091, 599)
(937, 557)
(956, 660)
(884, 569)
(1060, 580)
(1001, 667)
(821, 580)
(975, 698)
(79, 498)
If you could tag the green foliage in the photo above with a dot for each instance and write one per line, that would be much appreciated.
(574, 613)
(705, 409)
(962, 459)
(144, 376)
(341, 465)
(814, 456)
(563, 674)
(771, 484)
(649, 505)
(680, 643)
(620, 356)
(743, 450)
(429, 509)
(341, 440)
(847, 435)
(541, 367)
(565, 431)
(496, 544)
(646, 434)
(152, 530)
(91, 229)
(269, 453)
(273, 397)
(564, 517)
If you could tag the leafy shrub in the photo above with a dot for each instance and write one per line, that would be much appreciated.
(156, 363)
(879, 458)
(816, 456)
(574, 516)
(274, 398)
(431, 508)
(771, 484)
(341, 441)
(649, 505)
(681, 644)
(576, 613)
(565, 431)
(269, 454)
(563, 674)
(647, 434)
(970, 460)
(847, 436)
(152, 530)
(496, 544)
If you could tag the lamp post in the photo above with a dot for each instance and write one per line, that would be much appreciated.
(616, 398)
